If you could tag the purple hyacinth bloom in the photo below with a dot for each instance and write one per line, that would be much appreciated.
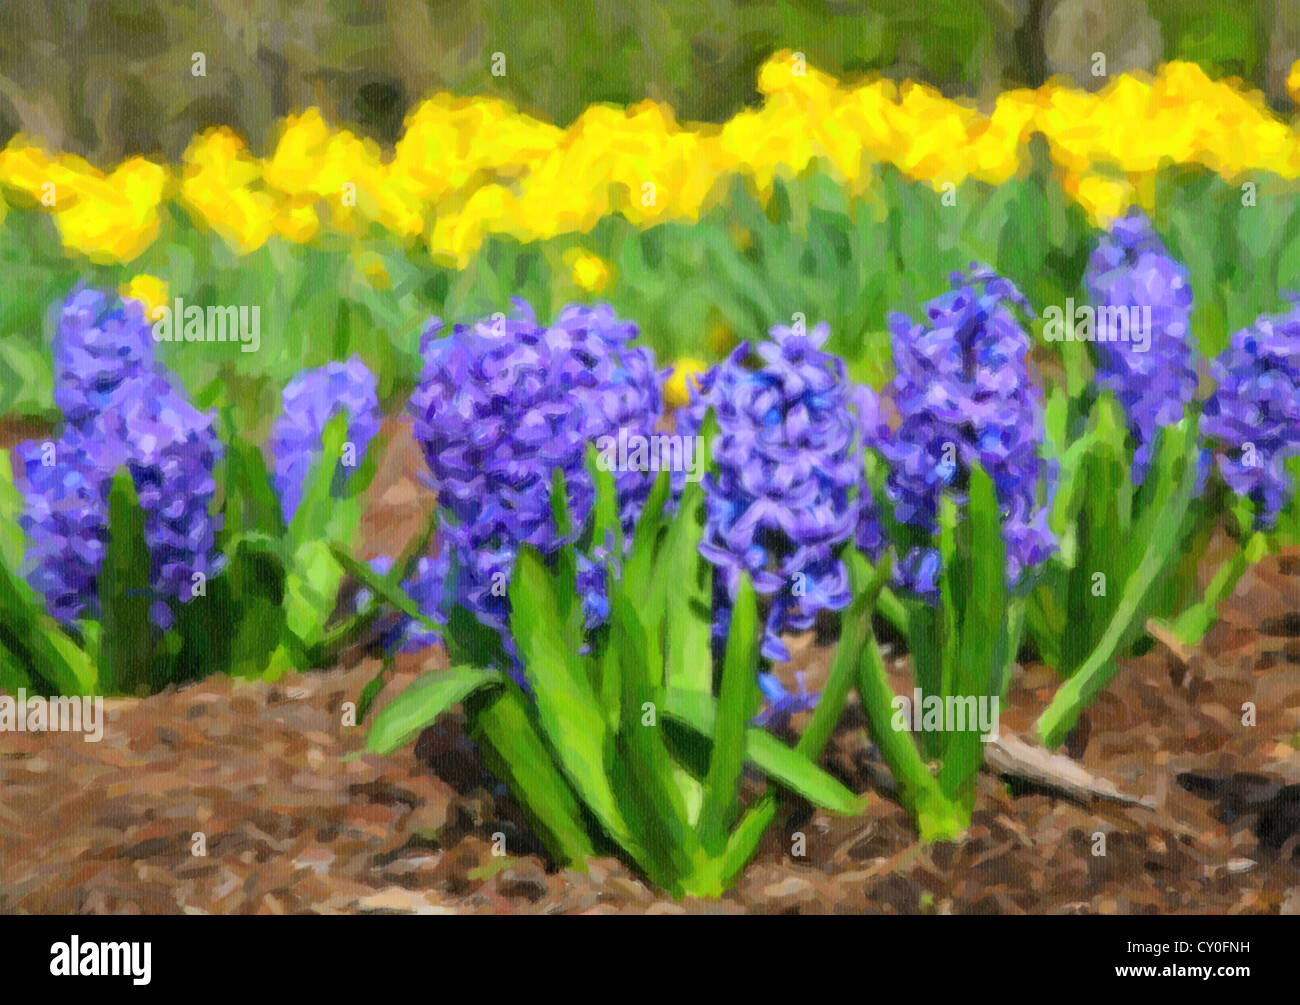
(144, 424)
(99, 343)
(779, 704)
(310, 400)
(1132, 268)
(500, 406)
(1253, 418)
(964, 395)
(784, 498)
(173, 451)
(873, 431)
(65, 518)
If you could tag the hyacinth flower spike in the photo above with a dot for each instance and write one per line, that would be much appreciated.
(323, 457)
(604, 649)
(784, 501)
(500, 407)
(1251, 429)
(117, 509)
(1153, 377)
(963, 492)
(1130, 472)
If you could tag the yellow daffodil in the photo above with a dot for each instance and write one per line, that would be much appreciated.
(466, 169)
(114, 219)
(676, 388)
(1103, 199)
(221, 189)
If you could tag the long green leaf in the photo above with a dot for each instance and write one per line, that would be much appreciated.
(983, 633)
(515, 753)
(567, 706)
(33, 649)
(1100, 667)
(319, 502)
(125, 594)
(643, 774)
(936, 817)
(13, 543)
(385, 588)
(737, 704)
(791, 769)
(423, 702)
(251, 505)
(686, 578)
(866, 584)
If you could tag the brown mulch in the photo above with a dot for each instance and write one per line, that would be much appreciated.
(253, 774)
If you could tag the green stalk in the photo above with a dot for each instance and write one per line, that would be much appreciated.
(1191, 626)
(1099, 669)
(936, 817)
(893, 610)
(868, 587)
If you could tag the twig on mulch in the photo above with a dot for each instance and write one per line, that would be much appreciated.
(1013, 758)
(1008, 755)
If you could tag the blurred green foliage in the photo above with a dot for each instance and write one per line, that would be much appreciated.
(694, 289)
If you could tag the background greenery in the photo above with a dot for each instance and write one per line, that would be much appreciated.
(109, 78)
(694, 289)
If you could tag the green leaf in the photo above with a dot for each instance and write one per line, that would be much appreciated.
(954, 589)
(983, 633)
(788, 767)
(865, 584)
(515, 753)
(322, 489)
(1100, 668)
(33, 649)
(13, 542)
(125, 594)
(744, 840)
(685, 577)
(311, 590)
(638, 569)
(643, 774)
(385, 588)
(251, 504)
(567, 708)
(607, 529)
(1192, 625)
(256, 583)
(737, 704)
(423, 702)
(936, 816)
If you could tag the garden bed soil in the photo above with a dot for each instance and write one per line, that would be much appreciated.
(257, 772)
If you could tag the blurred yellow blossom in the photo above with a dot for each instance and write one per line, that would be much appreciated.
(468, 168)
(590, 273)
(676, 390)
(720, 339)
(148, 291)
(1103, 199)
(370, 265)
(114, 219)
(220, 187)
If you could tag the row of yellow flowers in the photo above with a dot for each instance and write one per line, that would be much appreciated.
(466, 168)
